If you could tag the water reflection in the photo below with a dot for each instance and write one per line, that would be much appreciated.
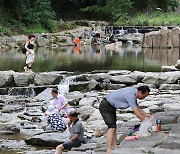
(162, 56)
(88, 58)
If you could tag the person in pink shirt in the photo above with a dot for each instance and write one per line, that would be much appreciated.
(59, 102)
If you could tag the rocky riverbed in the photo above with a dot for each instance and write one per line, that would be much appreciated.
(24, 98)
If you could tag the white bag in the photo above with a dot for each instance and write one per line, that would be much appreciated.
(146, 126)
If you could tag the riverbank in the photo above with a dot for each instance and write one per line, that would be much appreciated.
(22, 108)
(96, 80)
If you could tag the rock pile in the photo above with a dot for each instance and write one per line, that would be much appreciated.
(164, 38)
(23, 116)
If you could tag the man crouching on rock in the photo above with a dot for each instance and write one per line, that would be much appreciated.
(76, 133)
(121, 99)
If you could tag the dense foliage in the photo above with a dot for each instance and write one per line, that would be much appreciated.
(39, 15)
(23, 14)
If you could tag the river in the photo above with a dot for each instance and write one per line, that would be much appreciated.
(90, 58)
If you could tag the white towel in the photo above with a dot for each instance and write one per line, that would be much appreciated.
(30, 57)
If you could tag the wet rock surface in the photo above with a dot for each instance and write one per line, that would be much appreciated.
(48, 139)
(22, 115)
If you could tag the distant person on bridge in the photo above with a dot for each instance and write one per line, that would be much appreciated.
(121, 99)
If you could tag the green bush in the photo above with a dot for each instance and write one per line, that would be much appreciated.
(5, 31)
(156, 19)
(61, 26)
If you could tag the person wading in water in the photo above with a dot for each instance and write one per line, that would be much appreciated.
(29, 45)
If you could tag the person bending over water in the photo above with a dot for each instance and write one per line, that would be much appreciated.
(29, 45)
(121, 99)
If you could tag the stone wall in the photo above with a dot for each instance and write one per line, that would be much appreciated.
(64, 38)
(107, 80)
(164, 38)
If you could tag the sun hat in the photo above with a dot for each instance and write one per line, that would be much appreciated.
(51, 109)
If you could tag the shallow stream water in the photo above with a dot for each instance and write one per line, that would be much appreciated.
(89, 58)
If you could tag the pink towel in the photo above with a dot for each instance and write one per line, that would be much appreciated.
(131, 137)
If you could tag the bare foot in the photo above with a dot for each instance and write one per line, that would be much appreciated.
(26, 69)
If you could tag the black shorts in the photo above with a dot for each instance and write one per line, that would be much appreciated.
(71, 144)
(108, 113)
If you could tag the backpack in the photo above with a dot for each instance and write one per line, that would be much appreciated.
(23, 49)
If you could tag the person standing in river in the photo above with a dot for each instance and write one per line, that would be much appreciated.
(77, 41)
(121, 99)
(29, 45)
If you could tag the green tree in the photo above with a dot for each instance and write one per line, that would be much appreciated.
(29, 12)
(151, 5)
(116, 10)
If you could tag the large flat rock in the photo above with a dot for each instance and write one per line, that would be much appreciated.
(145, 151)
(47, 78)
(173, 140)
(48, 139)
(150, 141)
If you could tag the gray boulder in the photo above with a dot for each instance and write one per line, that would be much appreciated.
(172, 106)
(87, 101)
(51, 139)
(83, 86)
(6, 78)
(178, 64)
(109, 86)
(169, 68)
(150, 141)
(75, 95)
(45, 95)
(86, 109)
(165, 38)
(151, 78)
(3, 91)
(169, 87)
(21, 39)
(156, 39)
(175, 36)
(23, 79)
(82, 77)
(47, 78)
(148, 39)
(11, 108)
(41, 151)
(6, 128)
(169, 77)
(41, 41)
(118, 72)
(12, 145)
(100, 77)
(173, 140)
(69, 40)
(138, 75)
(123, 79)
